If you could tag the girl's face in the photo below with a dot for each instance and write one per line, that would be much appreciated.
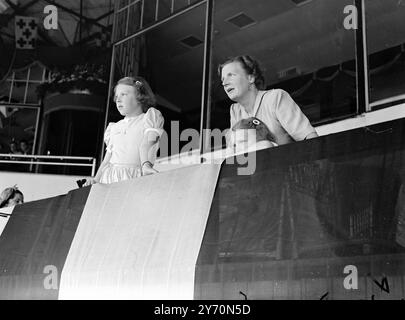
(235, 81)
(18, 199)
(126, 100)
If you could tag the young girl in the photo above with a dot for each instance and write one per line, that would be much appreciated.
(251, 134)
(132, 142)
(11, 197)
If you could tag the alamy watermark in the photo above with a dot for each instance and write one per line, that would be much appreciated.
(51, 19)
(242, 153)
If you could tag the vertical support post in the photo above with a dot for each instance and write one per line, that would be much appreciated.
(157, 10)
(206, 85)
(93, 167)
(363, 103)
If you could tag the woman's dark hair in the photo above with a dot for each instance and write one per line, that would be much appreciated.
(251, 66)
(262, 131)
(7, 194)
(143, 91)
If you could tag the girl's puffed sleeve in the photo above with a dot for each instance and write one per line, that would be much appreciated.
(154, 121)
(107, 136)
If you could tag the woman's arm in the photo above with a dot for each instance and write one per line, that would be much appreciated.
(96, 178)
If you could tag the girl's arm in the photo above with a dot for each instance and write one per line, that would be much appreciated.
(96, 178)
(148, 152)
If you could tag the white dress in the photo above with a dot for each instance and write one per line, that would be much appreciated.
(123, 140)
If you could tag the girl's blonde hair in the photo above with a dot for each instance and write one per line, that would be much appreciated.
(143, 91)
(262, 131)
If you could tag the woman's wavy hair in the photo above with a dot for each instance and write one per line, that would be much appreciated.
(8, 194)
(144, 93)
(251, 66)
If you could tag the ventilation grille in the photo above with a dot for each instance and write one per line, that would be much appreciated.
(241, 20)
(191, 41)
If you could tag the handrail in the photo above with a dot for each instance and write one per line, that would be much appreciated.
(44, 156)
(13, 157)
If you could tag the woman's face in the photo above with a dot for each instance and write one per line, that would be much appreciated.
(126, 100)
(18, 199)
(235, 80)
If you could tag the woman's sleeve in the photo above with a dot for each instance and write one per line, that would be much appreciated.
(291, 117)
(107, 136)
(154, 121)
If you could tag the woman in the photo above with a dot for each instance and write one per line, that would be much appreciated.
(243, 82)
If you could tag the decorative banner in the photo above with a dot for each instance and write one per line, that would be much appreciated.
(26, 30)
(140, 239)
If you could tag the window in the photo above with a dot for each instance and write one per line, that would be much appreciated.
(170, 57)
(386, 50)
(303, 48)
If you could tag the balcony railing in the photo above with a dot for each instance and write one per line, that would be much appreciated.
(36, 160)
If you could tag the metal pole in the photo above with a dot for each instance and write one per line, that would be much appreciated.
(361, 60)
(93, 167)
(111, 79)
(365, 57)
(206, 72)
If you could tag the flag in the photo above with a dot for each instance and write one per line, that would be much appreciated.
(148, 230)
(26, 30)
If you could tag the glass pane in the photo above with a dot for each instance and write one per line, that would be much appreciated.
(170, 58)
(134, 18)
(149, 13)
(385, 42)
(17, 132)
(165, 8)
(122, 3)
(18, 93)
(302, 49)
(5, 91)
(121, 24)
(21, 74)
(180, 4)
(32, 96)
(36, 73)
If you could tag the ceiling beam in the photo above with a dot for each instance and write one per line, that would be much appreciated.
(18, 10)
(105, 15)
(64, 34)
(72, 12)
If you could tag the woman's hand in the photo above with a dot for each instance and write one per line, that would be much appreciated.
(147, 168)
(89, 182)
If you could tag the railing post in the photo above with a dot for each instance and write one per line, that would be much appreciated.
(93, 167)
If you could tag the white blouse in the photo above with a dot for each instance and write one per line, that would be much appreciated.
(124, 138)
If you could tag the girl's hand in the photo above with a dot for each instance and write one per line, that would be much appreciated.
(89, 182)
(147, 169)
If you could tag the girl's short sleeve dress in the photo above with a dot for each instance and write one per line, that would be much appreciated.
(123, 140)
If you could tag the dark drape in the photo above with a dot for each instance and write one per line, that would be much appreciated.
(38, 234)
(310, 208)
